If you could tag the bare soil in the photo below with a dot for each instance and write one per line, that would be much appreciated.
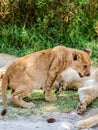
(64, 121)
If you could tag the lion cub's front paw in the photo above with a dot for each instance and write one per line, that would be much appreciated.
(81, 108)
(50, 98)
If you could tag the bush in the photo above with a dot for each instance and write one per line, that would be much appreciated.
(41, 24)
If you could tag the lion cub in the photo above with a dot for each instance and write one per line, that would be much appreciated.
(40, 69)
(87, 89)
(86, 95)
(70, 80)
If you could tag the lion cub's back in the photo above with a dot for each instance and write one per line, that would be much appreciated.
(35, 66)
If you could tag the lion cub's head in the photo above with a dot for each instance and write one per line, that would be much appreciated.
(81, 62)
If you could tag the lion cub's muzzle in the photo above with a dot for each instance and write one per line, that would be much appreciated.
(88, 74)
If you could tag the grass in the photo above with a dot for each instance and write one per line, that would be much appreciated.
(63, 103)
(67, 101)
(20, 41)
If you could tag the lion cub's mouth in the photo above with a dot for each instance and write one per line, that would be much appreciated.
(83, 75)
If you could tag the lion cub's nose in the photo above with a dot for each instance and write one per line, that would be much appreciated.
(88, 74)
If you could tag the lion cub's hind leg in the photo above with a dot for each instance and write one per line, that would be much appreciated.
(87, 123)
(18, 95)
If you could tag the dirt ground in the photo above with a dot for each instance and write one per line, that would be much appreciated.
(64, 121)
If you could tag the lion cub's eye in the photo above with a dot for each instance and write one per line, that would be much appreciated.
(84, 66)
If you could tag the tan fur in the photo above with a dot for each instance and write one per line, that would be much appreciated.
(40, 69)
(68, 80)
(87, 89)
(86, 95)
(71, 80)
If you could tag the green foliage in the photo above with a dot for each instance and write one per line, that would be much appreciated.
(20, 41)
(21, 38)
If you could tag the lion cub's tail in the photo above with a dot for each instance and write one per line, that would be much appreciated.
(4, 94)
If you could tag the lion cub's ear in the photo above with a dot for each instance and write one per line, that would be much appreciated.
(76, 56)
(88, 51)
